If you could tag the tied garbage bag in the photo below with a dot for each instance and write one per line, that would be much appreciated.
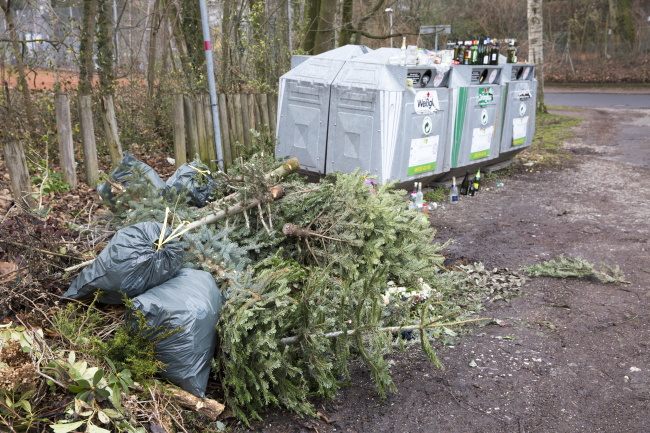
(189, 303)
(130, 264)
(124, 172)
(196, 179)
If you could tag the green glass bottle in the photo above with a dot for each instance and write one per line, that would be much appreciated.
(512, 52)
(476, 182)
(485, 54)
(474, 53)
(464, 185)
(494, 53)
(467, 60)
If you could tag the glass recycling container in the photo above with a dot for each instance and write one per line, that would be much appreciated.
(520, 108)
(389, 118)
(304, 106)
(476, 120)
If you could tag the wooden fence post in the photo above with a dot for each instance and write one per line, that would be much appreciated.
(21, 185)
(209, 133)
(88, 140)
(262, 103)
(178, 114)
(225, 131)
(273, 111)
(238, 122)
(66, 146)
(190, 128)
(199, 120)
(110, 129)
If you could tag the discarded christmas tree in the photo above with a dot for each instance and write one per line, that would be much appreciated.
(301, 303)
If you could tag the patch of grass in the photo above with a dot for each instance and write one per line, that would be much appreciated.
(551, 132)
(559, 107)
(599, 85)
(436, 194)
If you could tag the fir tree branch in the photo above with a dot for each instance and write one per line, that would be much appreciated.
(293, 230)
(432, 324)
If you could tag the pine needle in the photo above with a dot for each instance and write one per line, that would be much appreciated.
(567, 267)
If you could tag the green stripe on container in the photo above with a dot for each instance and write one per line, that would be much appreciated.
(461, 109)
(504, 96)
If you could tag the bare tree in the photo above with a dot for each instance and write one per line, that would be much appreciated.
(7, 9)
(536, 47)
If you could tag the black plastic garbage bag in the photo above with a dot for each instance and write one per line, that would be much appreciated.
(129, 264)
(124, 173)
(191, 302)
(196, 179)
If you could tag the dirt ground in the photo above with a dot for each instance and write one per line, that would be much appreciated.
(572, 355)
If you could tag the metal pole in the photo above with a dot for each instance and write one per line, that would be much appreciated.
(389, 11)
(207, 45)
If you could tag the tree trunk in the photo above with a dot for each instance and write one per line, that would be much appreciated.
(192, 32)
(66, 146)
(110, 130)
(622, 19)
(325, 32)
(226, 22)
(21, 185)
(536, 47)
(88, 139)
(261, 38)
(346, 23)
(105, 70)
(309, 43)
(20, 67)
(153, 45)
(86, 48)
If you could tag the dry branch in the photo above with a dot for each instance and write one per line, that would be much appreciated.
(334, 334)
(293, 230)
(290, 166)
(208, 407)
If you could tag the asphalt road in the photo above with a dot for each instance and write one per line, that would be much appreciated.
(597, 100)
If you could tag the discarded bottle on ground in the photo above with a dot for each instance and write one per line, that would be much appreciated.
(419, 198)
(453, 193)
(464, 186)
(476, 182)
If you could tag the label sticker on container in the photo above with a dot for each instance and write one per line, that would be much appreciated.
(426, 102)
(484, 117)
(527, 72)
(485, 96)
(438, 80)
(423, 155)
(415, 76)
(481, 141)
(493, 76)
(519, 131)
(427, 126)
(522, 109)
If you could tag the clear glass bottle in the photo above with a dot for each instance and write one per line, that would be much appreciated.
(419, 197)
(453, 192)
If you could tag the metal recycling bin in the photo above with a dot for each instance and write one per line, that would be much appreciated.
(385, 125)
(476, 121)
(304, 105)
(520, 108)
